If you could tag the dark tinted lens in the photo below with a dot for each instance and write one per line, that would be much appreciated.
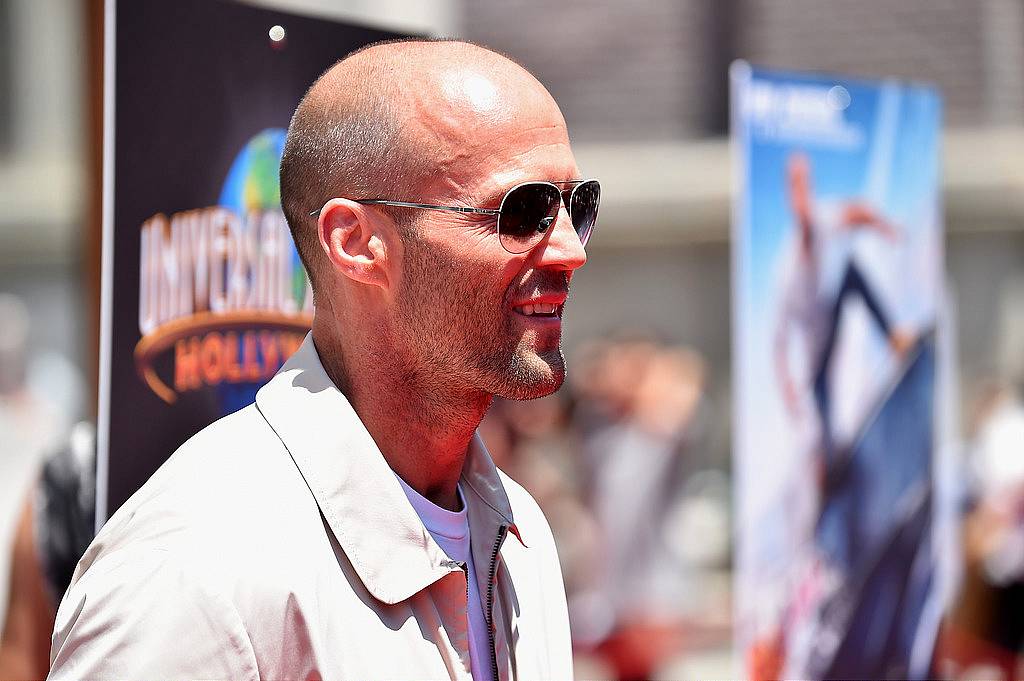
(583, 208)
(526, 213)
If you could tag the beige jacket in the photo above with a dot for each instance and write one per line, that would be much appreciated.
(277, 544)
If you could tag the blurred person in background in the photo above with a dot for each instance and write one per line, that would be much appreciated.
(614, 462)
(30, 421)
(984, 635)
(55, 525)
(38, 392)
(637, 471)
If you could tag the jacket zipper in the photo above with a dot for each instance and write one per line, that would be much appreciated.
(491, 574)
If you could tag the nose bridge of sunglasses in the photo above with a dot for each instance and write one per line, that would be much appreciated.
(562, 226)
(554, 207)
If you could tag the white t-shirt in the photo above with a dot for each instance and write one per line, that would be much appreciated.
(808, 281)
(451, 532)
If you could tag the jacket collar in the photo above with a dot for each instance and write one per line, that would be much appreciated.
(357, 492)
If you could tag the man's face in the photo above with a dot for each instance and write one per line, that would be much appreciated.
(463, 306)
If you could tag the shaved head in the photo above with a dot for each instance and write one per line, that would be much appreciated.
(426, 311)
(385, 119)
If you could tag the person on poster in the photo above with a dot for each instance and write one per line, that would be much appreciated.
(807, 307)
(350, 523)
(811, 310)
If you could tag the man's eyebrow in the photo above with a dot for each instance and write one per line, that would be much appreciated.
(492, 198)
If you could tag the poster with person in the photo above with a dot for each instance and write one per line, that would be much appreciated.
(838, 275)
(203, 294)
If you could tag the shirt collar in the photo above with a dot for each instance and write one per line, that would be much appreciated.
(357, 492)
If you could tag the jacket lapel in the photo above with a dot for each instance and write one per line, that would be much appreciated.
(354, 487)
(363, 502)
(490, 523)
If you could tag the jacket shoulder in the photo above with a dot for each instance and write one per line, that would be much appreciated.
(124, 618)
(222, 438)
(229, 482)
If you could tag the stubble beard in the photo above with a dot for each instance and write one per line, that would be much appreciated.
(531, 374)
(462, 337)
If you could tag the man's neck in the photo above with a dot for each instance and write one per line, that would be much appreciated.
(424, 434)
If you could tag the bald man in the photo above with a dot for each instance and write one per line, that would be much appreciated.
(350, 524)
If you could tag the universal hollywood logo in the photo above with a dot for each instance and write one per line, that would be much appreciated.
(223, 296)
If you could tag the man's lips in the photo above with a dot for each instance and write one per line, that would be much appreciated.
(550, 306)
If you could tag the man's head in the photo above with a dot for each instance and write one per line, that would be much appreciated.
(435, 293)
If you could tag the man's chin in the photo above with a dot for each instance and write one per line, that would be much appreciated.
(534, 376)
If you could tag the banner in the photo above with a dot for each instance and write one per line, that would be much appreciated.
(204, 296)
(837, 277)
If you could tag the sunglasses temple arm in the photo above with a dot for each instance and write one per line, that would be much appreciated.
(421, 206)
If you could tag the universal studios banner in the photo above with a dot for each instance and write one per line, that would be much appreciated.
(838, 262)
(204, 296)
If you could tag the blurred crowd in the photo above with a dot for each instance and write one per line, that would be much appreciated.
(984, 634)
(47, 489)
(619, 462)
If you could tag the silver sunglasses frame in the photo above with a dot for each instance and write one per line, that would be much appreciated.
(485, 211)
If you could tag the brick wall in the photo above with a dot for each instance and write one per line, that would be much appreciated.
(940, 41)
(620, 70)
(656, 69)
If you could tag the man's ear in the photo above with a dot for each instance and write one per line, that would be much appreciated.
(353, 240)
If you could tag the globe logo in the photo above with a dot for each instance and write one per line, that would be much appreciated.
(253, 184)
(223, 297)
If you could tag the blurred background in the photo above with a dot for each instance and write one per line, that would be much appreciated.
(631, 460)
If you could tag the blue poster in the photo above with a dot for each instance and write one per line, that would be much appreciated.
(837, 276)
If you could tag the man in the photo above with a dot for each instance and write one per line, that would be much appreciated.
(807, 304)
(349, 524)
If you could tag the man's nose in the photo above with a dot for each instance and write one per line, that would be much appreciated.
(562, 248)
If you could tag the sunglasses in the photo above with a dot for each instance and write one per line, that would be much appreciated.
(527, 211)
